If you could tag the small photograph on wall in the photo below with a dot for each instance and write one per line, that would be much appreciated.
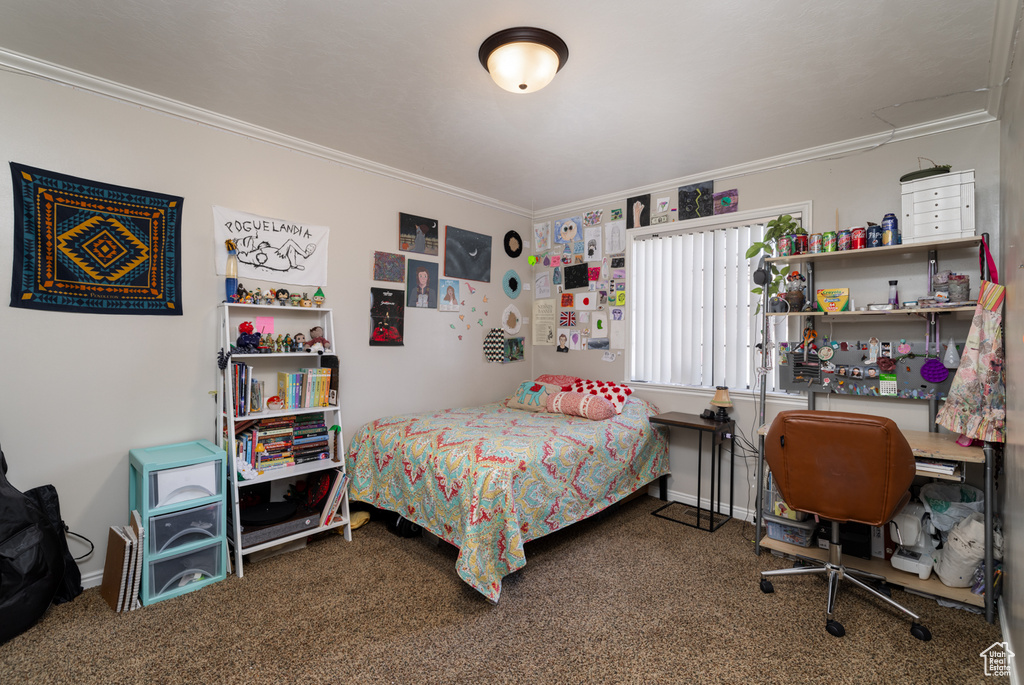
(696, 200)
(388, 267)
(638, 211)
(387, 314)
(568, 231)
(467, 255)
(449, 291)
(422, 284)
(514, 350)
(417, 234)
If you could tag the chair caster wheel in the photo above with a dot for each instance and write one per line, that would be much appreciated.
(920, 632)
(766, 586)
(835, 628)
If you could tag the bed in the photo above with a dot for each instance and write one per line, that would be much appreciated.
(490, 478)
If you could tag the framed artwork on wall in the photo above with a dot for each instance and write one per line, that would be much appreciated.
(417, 234)
(467, 255)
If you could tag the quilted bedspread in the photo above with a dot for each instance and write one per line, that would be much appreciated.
(488, 479)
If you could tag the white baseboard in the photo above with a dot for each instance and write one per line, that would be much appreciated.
(741, 513)
(92, 579)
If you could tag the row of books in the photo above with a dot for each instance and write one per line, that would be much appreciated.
(305, 389)
(281, 441)
(122, 569)
(333, 501)
(946, 468)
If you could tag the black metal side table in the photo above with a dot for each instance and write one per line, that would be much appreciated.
(720, 432)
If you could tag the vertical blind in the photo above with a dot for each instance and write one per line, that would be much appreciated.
(693, 320)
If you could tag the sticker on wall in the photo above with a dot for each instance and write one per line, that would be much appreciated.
(511, 320)
(616, 213)
(512, 284)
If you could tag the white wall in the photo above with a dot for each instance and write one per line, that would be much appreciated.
(78, 391)
(863, 187)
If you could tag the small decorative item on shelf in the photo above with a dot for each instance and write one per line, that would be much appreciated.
(231, 272)
(275, 402)
(317, 341)
(248, 340)
(795, 291)
(299, 342)
(722, 401)
(318, 298)
(282, 295)
(306, 302)
(296, 299)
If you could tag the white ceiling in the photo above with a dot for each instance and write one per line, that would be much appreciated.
(652, 90)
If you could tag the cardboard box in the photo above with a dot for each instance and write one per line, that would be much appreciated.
(833, 300)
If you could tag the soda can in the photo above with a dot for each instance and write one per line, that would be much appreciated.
(828, 241)
(890, 230)
(874, 236)
(814, 243)
(858, 238)
(799, 244)
(843, 240)
(785, 246)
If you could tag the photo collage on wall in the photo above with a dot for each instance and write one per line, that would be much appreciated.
(580, 272)
(422, 282)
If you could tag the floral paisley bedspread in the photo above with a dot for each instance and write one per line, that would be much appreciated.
(488, 479)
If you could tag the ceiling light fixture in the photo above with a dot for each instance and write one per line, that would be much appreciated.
(523, 59)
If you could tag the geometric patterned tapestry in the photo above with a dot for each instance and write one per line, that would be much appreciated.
(85, 246)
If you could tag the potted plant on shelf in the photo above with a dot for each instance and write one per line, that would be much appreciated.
(783, 226)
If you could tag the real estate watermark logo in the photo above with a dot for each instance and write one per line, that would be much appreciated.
(997, 659)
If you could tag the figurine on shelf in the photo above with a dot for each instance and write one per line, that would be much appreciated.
(274, 402)
(317, 342)
(257, 296)
(287, 343)
(795, 291)
(248, 340)
(279, 343)
(266, 344)
(318, 298)
(296, 299)
(282, 295)
(299, 342)
(306, 302)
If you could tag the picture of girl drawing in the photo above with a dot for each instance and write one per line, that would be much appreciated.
(449, 290)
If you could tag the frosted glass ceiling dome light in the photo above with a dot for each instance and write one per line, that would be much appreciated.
(523, 59)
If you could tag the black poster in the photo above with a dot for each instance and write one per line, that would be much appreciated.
(387, 314)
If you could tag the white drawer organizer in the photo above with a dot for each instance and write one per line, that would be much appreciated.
(938, 207)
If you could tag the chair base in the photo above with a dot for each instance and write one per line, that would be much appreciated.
(835, 572)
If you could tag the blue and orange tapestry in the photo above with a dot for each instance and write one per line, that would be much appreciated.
(85, 246)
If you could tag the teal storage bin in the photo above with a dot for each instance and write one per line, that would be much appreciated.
(180, 492)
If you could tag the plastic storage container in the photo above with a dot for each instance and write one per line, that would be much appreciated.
(183, 527)
(800, 533)
(175, 575)
(774, 505)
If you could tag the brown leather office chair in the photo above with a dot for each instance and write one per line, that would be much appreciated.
(841, 467)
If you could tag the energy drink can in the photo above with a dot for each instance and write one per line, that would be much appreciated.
(843, 240)
(828, 241)
(890, 230)
(799, 244)
(785, 246)
(858, 238)
(814, 243)
(874, 236)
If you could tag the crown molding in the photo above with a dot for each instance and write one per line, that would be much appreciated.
(831, 150)
(29, 66)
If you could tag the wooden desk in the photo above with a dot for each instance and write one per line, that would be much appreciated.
(719, 431)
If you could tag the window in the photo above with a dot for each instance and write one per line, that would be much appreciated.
(693, 317)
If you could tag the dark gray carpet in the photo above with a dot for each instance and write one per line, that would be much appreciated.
(623, 598)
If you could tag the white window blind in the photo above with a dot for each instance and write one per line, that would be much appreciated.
(693, 317)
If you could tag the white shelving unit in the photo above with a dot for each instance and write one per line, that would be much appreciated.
(286, 320)
(925, 444)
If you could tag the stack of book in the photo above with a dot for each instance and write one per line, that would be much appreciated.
(310, 439)
(304, 389)
(945, 468)
(273, 443)
(122, 569)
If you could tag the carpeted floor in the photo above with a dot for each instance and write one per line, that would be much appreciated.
(622, 598)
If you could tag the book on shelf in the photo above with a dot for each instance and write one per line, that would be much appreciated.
(330, 362)
(947, 468)
(334, 497)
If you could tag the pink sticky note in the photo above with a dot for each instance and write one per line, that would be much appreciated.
(265, 325)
